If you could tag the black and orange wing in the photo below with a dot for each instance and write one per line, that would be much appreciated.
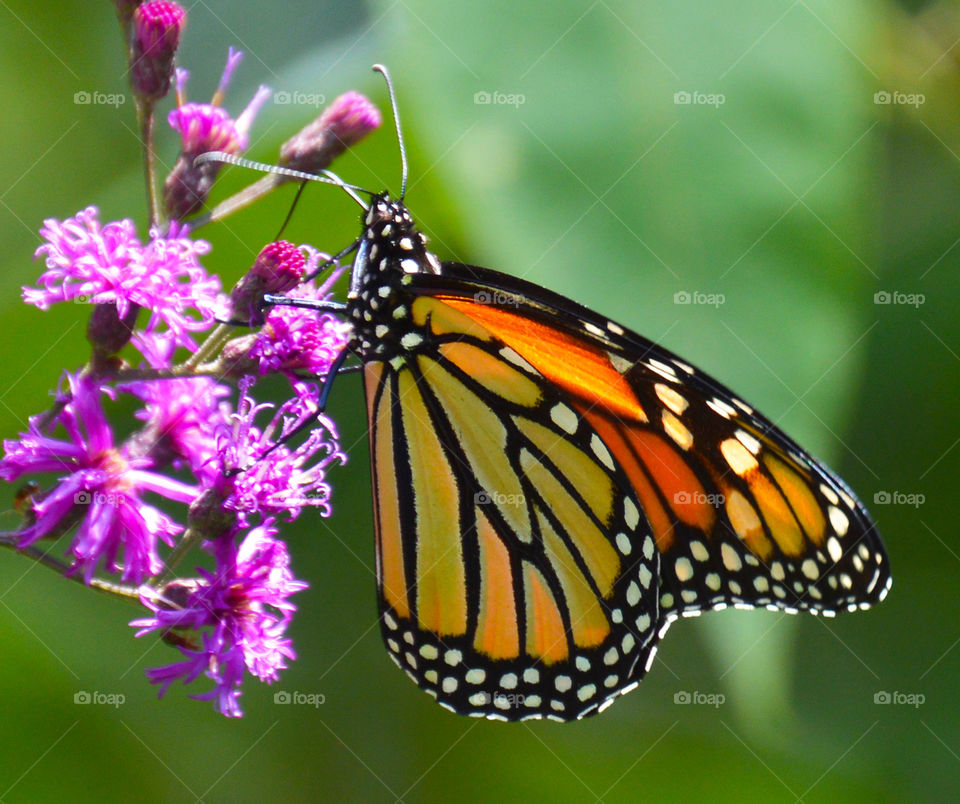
(507, 537)
(551, 490)
(741, 515)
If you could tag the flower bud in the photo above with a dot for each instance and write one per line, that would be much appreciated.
(107, 332)
(157, 26)
(278, 268)
(342, 124)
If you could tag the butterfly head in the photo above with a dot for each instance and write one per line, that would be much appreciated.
(391, 252)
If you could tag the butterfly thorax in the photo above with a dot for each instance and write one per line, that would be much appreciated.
(391, 252)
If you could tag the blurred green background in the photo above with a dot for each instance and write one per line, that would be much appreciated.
(796, 199)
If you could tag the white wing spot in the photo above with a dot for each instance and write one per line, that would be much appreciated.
(731, 560)
(601, 451)
(683, 569)
(671, 398)
(748, 441)
(630, 513)
(839, 520)
(623, 543)
(564, 417)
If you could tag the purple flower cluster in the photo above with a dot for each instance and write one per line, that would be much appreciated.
(203, 465)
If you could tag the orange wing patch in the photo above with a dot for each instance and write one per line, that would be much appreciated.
(581, 369)
(497, 633)
(441, 583)
(386, 509)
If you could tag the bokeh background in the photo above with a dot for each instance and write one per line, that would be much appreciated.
(787, 194)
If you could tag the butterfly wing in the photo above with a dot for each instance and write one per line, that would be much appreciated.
(551, 490)
(741, 515)
(516, 575)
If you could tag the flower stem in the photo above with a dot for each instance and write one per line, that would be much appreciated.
(216, 339)
(244, 198)
(145, 109)
(187, 541)
(124, 591)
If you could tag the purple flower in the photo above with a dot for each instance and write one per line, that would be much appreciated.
(107, 264)
(279, 267)
(180, 414)
(100, 486)
(205, 127)
(157, 25)
(241, 613)
(293, 339)
(258, 471)
(342, 124)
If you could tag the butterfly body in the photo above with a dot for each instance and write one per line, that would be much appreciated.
(552, 490)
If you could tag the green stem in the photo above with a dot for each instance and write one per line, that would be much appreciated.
(145, 109)
(120, 590)
(213, 343)
(187, 541)
(244, 198)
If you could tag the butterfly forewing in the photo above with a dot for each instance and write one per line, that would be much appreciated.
(740, 513)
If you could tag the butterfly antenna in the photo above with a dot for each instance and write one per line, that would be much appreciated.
(327, 177)
(379, 68)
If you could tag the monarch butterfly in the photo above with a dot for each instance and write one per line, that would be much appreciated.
(552, 490)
